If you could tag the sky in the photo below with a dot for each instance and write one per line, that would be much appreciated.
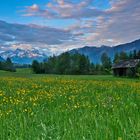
(55, 26)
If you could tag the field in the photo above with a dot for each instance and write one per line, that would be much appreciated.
(53, 107)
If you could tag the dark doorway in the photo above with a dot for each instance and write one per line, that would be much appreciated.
(122, 72)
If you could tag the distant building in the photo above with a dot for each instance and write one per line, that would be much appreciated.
(126, 68)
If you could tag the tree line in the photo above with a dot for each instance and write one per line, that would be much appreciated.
(7, 65)
(126, 56)
(75, 64)
(68, 63)
(65, 63)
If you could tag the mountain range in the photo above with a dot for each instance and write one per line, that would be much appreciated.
(20, 56)
(94, 53)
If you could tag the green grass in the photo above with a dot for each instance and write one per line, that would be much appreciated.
(24, 70)
(54, 107)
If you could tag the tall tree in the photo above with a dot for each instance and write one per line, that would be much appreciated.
(84, 64)
(106, 61)
(63, 63)
(36, 66)
(130, 55)
(8, 65)
(116, 58)
(123, 56)
(135, 54)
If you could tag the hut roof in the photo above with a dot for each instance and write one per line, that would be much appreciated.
(126, 64)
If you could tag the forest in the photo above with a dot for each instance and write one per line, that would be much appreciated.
(78, 64)
(7, 65)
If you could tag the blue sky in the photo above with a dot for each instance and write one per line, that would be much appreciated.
(60, 25)
(11, 11)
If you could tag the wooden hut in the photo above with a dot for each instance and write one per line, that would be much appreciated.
(126, 68)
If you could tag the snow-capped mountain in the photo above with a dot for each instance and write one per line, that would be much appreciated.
(21, 56)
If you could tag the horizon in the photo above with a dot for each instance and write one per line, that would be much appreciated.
(55, 26)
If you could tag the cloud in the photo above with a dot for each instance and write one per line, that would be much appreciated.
(65, 9)
(118, 24)
(22, 46)
(121, 23)
(33, 34)
(92, 26)
(34, 7)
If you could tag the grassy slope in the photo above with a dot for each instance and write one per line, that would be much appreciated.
(68, 107)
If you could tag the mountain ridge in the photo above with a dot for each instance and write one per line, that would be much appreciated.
(21, 56)
(94, 53)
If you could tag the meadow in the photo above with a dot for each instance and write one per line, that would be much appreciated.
(53, 107)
